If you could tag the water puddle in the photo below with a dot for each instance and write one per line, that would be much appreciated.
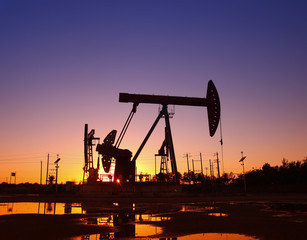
(128, 224)
(150, 218)
(200, 208)
(218, 214)
(126, 220)
(40, 208)
(217, 236)
(197, 208)
(117, 219)
(127, 231)
(205, 236)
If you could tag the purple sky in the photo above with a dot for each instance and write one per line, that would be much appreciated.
(63, 64)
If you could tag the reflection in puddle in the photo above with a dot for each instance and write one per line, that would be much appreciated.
(205, 236)
(203, 209)
(94, 237)
(150, 218)
(217, 236)
(123, 218)
(143, 230)
(40, 208)
(196, 208)
(98, 221)
(130, 231)
(128, 224)
(218, 214)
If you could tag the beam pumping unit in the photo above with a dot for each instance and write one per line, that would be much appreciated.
(124, 166)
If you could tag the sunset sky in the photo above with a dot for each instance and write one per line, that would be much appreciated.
(64, 63)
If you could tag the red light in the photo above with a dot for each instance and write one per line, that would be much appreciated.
(117, 180)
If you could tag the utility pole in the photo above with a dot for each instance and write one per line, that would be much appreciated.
(47, 169)
(221, 141)
(201, 164)
(193, 165)
(56, 172)
(187, 155)
(210, 168)
(218, 165)
(41, 174)
(156, 164)
(244, 179)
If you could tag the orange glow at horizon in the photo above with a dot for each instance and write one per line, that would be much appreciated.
(27, 165)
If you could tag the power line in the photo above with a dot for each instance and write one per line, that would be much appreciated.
(16, 162)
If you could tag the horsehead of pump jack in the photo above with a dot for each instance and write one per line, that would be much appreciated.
(212, 102)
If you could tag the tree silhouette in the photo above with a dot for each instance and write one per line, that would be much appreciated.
(294, 172)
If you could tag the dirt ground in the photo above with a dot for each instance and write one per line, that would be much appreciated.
(267, 217)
